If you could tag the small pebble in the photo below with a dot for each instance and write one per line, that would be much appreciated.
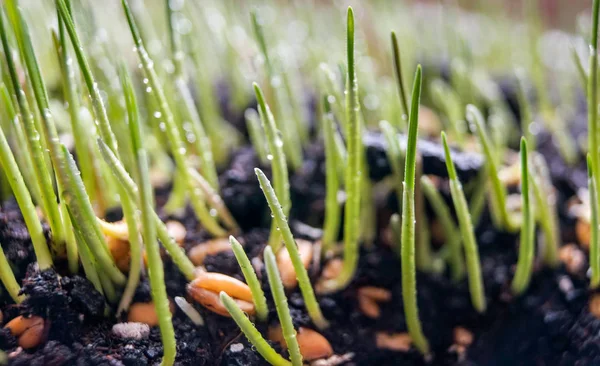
(236, 347)
(131, 330)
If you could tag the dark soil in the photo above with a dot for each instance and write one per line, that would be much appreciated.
(549, 325)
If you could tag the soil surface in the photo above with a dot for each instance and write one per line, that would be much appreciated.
(549, 325)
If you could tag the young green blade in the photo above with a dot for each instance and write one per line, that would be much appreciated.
(254, 337)
(258, 296)
(155, 265)
(399, 79)
(8, 279)
(452, 233)
(281, 305)
(407, 240)
(594, 237)
(352, 178)
(312, 305)
(331, 224)
(177, 146)
(592, 97)
(257, 139)
(278, 162)
(34, 227)
(43, 179)
(178, 256)
(475, 119)
(468, 236)
(527, 238)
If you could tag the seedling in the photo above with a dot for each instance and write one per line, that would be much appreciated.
(399, 79)
(527, 237)
(250, 331)
(352, 178)
(155, 265)
(331, 225)
(258, 296)
(257, 139)
(468, 235)
(498, 197)
(281, 305)
(312, 306)
(594, 237)
(407, 246)
(8, 279)
(278, 163)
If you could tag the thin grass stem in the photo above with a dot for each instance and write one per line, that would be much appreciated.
(250, 331)
(399, 79)
(281, 305)
(331, 224)
(468, 236)
(8, 279)
(594, 237)
(527, 238)
(312, 305)
(258, 296)
(257, 139)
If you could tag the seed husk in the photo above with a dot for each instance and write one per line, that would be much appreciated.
(284, 263)
(313, 345)
(211, 247)
(211, 301)
(394, 341)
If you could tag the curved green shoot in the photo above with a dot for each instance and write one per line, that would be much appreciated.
(34, 147)
(287, 122)
(8, 279)
(177, 254)
(448, 100)
(331, 224)
(88, 262)
(203, 144)
(81, 209)
(214, 200)
(475, 119)
(583, 77)
(258, 296)
(281, 305)
(129, 208)
(312, 305)
(396, 227)
(250, 331)
(592, 97)
(257, 139)
(352, 178)
(177, 146)
(399, 79)
(155, 265)
(468, 236)
(453, 237)
(407, 240)
(17, 184)
(527, 238)
(395, 155)
(545, 208)
(278, 163)
(594, 237)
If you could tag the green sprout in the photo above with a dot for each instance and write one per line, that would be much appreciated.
(312, 305)
(527, 238)
(592, 98)
(178, 256)
(176, 143)
(34, 147)
(352, 178)
(129, 209)
(594, 244)
(331, 224)
(399, 79)
(407, 240)
(468, 236)
(545, 208)
(498, 193)
(278, 164)
(288, 124)
(258, 296)
(257, 139)
(155, 265)
(8, 279)
(17, 184)
(256, 339)
(281, 305)
(453, 237)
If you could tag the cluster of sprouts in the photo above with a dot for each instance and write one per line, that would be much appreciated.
(118, 148)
